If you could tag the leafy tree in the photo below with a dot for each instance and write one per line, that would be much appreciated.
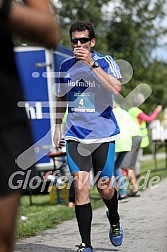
(133, 30)
(90, 10)
(156, 77)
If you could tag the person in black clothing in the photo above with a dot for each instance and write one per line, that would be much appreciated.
(35, 21)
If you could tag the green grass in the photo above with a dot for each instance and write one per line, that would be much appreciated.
(160, 170)
(43, 215)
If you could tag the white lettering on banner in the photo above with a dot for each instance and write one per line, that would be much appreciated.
(81, 83)
(34, 112)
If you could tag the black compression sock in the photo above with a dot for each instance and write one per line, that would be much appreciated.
(112, 206)
(84, 219)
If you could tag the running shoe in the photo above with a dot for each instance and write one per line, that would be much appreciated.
(83, 248)
(123, 198)
(116, 233)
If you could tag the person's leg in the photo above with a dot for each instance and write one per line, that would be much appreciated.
(103, 160)
(132, 177)
(83, 209)
(118, 174)
(138, 163)
(80, 166)
(71, 201)
(130, 161)
(134, 187)
(8, 212)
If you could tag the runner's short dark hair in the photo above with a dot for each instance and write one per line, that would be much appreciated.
(82, 26)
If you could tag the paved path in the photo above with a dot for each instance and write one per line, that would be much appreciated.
(144, 220)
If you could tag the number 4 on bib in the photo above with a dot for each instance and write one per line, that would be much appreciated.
(81, 102)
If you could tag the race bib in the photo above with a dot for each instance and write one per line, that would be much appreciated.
(82, 102)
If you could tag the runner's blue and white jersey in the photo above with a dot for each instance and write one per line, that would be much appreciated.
(90, 118)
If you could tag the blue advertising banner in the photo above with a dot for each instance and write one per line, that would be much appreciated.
(35, 65)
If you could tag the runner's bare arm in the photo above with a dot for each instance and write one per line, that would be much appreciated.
(109, 82)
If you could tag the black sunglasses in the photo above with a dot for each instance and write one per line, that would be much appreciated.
(82, 40)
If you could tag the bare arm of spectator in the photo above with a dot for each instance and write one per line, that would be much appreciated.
(150, 118)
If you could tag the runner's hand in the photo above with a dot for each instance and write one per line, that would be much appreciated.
(81, 53)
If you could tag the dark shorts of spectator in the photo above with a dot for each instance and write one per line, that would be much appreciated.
(14, 141)
(130, 157)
